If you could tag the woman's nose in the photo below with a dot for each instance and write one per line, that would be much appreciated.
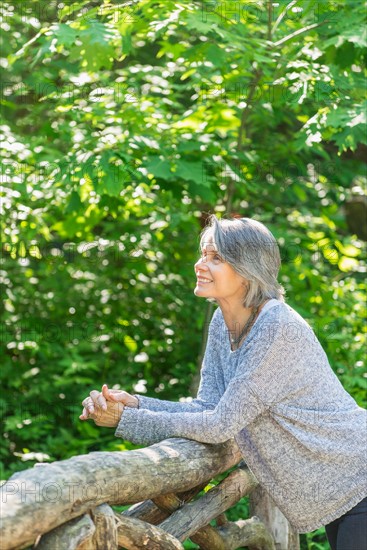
(200, 264)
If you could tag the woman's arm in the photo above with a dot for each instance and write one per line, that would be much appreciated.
(260, 381)
(207, 397)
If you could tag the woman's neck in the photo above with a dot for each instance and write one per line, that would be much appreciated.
(236, 316)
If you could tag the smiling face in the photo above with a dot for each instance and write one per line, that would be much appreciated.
(216, 278)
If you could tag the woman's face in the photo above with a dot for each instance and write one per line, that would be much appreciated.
(215, 278)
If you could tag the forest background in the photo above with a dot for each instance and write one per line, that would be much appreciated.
(124, 124)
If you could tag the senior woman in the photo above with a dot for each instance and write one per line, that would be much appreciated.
(267, 382)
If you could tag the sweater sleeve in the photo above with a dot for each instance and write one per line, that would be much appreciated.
(259, 382)
(208, 394)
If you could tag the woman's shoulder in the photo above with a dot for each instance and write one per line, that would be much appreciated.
(285, 322)
(282, 311)
(291, 315)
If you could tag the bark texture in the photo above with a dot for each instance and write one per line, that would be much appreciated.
(192, 516)
(134, 534)
(105, 536)
(262, 506)
(249, 532)
(38, 500)
(77, 534)
(65, 505)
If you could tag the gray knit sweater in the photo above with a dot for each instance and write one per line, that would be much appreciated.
(302, 435)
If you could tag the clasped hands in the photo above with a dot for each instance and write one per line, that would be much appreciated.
(106, 407)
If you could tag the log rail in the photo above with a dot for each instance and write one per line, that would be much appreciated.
(66, 505)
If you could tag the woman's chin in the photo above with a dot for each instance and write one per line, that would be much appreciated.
(200, 292)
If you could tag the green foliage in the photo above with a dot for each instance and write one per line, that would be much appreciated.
(123, 125)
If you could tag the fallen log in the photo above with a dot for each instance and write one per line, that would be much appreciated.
(207, 537)
(37, 500)
(193, 516)
(156, 510)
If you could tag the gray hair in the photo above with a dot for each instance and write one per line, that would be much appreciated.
(251, 249)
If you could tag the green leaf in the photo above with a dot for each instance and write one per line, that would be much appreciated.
(190, 171)
(114, 176)
(196, 22)
(97, 49)
(64, 33)
(159, 168)
(216, 55)
(75, 203)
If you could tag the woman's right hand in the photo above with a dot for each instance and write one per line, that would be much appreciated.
(98, 399)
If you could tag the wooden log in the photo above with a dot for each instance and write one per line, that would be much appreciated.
(263, 506)
(156, 510)
(163, 506)
(171, 502)
(188, 495)
(40, 499)
(134, 534)
(76, 534)
(105, 536)
(249, 532)
(208, 538)
(233, 535)
(146, 511)
(192, 516)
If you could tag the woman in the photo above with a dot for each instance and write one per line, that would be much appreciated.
(265, 381)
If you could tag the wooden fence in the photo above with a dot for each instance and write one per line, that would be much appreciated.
(67, 505)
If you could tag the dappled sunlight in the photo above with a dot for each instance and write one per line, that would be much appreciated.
(125, 125)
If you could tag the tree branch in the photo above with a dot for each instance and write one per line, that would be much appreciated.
(296, 33)
(280, 18)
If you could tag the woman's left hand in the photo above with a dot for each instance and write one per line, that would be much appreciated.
(109, 417)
